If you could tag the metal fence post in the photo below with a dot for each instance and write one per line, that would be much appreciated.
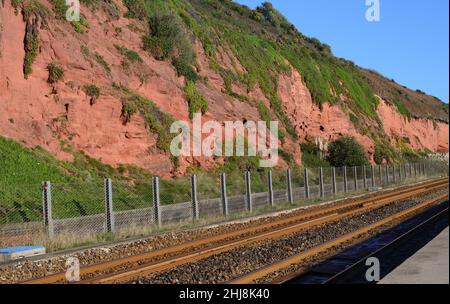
(307, 192)
(270, 187)
(345, 180)
(355, 177)
(321, 185)
(365, 177)
(415, 170)
(248, 184)
(110, 225)
(387, 174)
(223, 191)
(333, 173)
(410, 170)
(156, 202)
(372, 170)
(393, 174)
(380, 175)
(195, 211)
(289, 186)
(400, 177)
(47, 208)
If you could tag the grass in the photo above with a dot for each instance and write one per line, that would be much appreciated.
(401, 108)
(93, 92)
(100, 60)
(157, 121)
(55, 73)
(129, 55)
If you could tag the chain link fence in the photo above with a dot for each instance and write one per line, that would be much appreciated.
(72, 210)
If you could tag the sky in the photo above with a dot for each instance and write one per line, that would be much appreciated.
(409, 44)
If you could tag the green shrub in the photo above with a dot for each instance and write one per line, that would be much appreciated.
(383, 153)
(184, 69)
(81, 26)
(16, 4)
(34, 7)
(310, 156)
(136, 9)
(31, 46)
(85, 51)
(401, 108)
(157, 120)
(165, 31)
(59, 8)
(195, 99)
(55, 72)
(100, 60)
(346, 151)
(92, 91)
(130, 55)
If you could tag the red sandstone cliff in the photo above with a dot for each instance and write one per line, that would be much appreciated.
(36, 113)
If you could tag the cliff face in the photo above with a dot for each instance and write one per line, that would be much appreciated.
(37, 113)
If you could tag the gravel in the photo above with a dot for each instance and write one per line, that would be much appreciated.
(223, 267)
(26, 270)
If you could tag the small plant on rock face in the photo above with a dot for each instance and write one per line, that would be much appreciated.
(195, 99)
(92, 91)
(55, 73)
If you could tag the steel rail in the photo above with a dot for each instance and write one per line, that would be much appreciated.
(258, 232)
(154, 267)
(296, 259)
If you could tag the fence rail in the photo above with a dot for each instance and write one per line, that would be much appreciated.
(108, 206)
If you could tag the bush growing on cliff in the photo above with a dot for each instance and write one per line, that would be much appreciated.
(157, 120)
(346, 151)
(383, 153)
(310, 156)
(184, 69)
(55, 73)
(31, 45)
(92, 91)
(130, 55)
(196, 100)
(100, 60)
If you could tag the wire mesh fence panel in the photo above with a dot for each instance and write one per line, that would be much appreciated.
(328, 181)
(313, 181)
(367, 171)
(378, 175)
(176, 213)
(79, 207)
(209, 195)
(298, 184)
(437, 167)
(260, 188)
(236, 190)
(21, 215)
(175, 191)
(208, 187)
(280, 187)
(340, 180)
(176, 200)
(132, 204)
(351, 178)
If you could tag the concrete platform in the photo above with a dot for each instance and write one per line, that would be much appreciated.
(19, 252)
(430, 265)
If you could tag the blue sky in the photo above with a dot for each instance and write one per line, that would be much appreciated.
(410, 43)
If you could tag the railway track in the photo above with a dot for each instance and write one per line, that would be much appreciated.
(285, 264)
(391, 248)
(130, 268)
